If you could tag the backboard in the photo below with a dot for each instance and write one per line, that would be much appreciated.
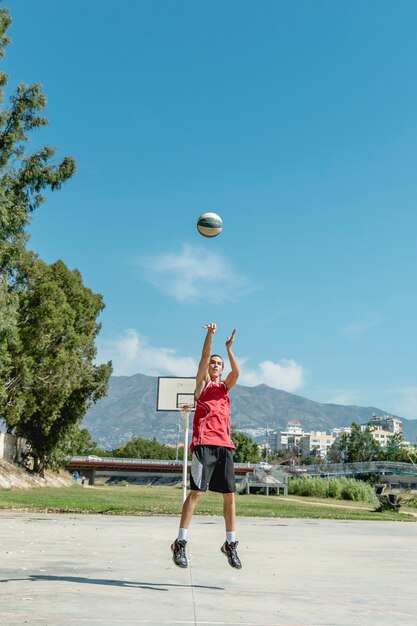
(175, 392)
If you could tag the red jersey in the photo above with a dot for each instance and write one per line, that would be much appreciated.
(211, 426)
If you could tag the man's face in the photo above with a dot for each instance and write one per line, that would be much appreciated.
(215, 366)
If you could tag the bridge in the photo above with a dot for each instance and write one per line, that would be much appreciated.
(92, 466)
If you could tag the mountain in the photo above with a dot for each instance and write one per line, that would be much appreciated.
(129, 410)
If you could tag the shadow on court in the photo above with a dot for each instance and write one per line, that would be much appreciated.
(103, 570)
(109, 582)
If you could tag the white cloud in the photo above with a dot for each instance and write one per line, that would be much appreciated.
(355, 330)
(287, 374)
(131, 354)
(195, 274)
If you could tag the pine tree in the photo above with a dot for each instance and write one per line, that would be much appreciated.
(47, 316)
(359, 445)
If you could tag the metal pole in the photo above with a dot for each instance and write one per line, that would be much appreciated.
(178, 439)
(267, 445)
(185, 410)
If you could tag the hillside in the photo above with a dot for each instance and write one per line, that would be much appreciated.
(129, 410)
(14, 477)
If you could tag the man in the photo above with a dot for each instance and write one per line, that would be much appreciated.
(212, 447)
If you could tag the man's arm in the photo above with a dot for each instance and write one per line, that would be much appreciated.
(202, 374)
(231, 379)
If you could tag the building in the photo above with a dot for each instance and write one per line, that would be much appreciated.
(340, 430)
(291, 436)
(380, 435)
(383, 428)
(386, 422)
(317, 443)
(304, 443)
(286, 439)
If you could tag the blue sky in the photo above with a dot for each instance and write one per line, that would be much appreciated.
(294, 121)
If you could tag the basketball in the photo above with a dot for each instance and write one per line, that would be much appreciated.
(209, 225)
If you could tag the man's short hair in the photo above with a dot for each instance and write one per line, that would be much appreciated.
(220, 357)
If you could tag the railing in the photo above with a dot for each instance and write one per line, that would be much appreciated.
(129, 461)
(324, 469)
(123, 461)
(369, 467)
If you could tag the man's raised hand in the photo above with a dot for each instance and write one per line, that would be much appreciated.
(211, 327)
(230, 339)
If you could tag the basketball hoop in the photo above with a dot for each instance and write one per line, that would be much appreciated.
(177, 394)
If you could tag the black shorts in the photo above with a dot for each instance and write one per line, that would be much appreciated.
(212, 468)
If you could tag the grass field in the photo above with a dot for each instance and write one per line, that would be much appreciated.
(140, 500)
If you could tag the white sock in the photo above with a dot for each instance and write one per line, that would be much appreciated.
(182, 533)
(231, 536)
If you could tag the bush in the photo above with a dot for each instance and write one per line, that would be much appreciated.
(341, 488)
(334, 489)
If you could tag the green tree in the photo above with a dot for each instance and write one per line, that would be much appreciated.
(24, 177)
(71, 442)
(412, 456)
(359, 445)
(47, 317)
(8, 337)
(81, 442)
(53, 378)
(395, 450)
(336, 450)
(140, 448)
(75, 441)
(247, 450)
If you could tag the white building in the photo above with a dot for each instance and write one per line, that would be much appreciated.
(382, 427)
(288, 438)
(316, 442)
(388, 423)
(340, 430)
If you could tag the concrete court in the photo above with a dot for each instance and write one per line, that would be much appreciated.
(76, 570)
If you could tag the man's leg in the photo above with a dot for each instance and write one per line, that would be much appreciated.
(188, 508)
(229, 511)
(178, 547)
(229, 546)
